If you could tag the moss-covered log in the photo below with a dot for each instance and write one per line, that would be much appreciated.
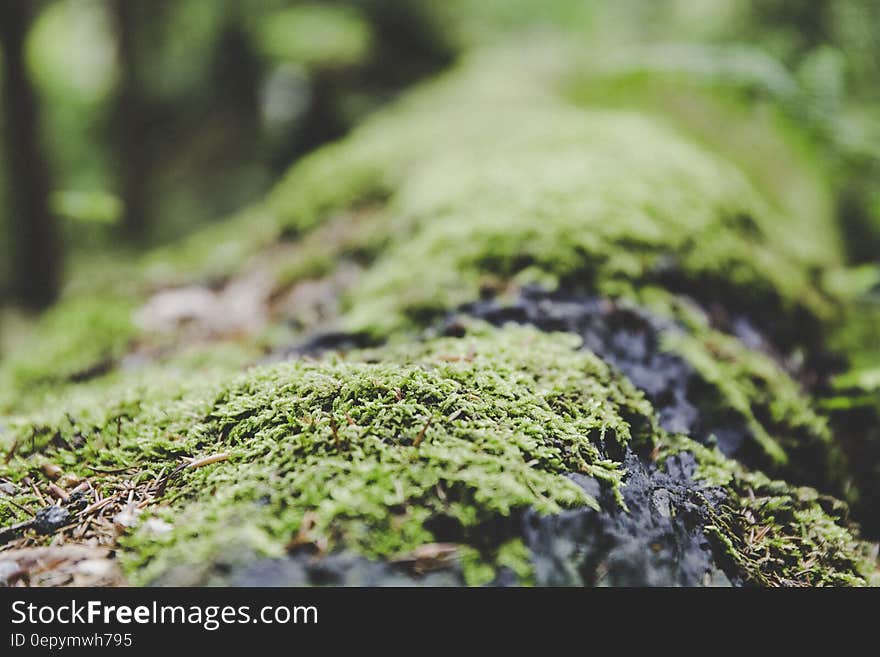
(328, 388)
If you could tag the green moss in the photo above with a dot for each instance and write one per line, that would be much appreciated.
(777, 534)
(450, 436)
(484, 190)
(336, 178)
(516, 556)
(779, 415)
(355, 236)
(512, 555)
(760, 105)
(510, 413)
(75, 340)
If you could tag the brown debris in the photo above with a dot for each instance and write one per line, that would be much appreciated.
(421, 436)
(60, 565)
(239, 308)
(208, 460)
(52, 471)
(29, 482)
(335, 431)
(428, 557)
(80, 553)
(307, 537)
(58, 493)
(467, 358)
(98, 513)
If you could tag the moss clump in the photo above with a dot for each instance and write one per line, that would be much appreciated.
(456, 434)
(467, 431)
(760, 106)
(541, 188)
(777, 534)
(336, 178)
(74, 341)
(793, 437)
(396, 448)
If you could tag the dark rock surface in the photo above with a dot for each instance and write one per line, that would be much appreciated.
(51, 519)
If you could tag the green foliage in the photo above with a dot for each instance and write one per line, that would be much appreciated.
(87, 206)
(315, 35)
(71, 59)
(761, 106)
(69, 52)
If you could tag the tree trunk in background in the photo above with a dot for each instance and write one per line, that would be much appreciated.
(35, 240)
(131, 119)
(409, 45)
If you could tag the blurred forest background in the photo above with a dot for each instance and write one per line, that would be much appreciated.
(127, 124)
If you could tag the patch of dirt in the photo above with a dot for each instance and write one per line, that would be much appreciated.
(313, 302)
(68, 510)
(259, 296)
(199, 313)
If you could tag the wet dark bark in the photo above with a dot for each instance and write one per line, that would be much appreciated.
(36, 244)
